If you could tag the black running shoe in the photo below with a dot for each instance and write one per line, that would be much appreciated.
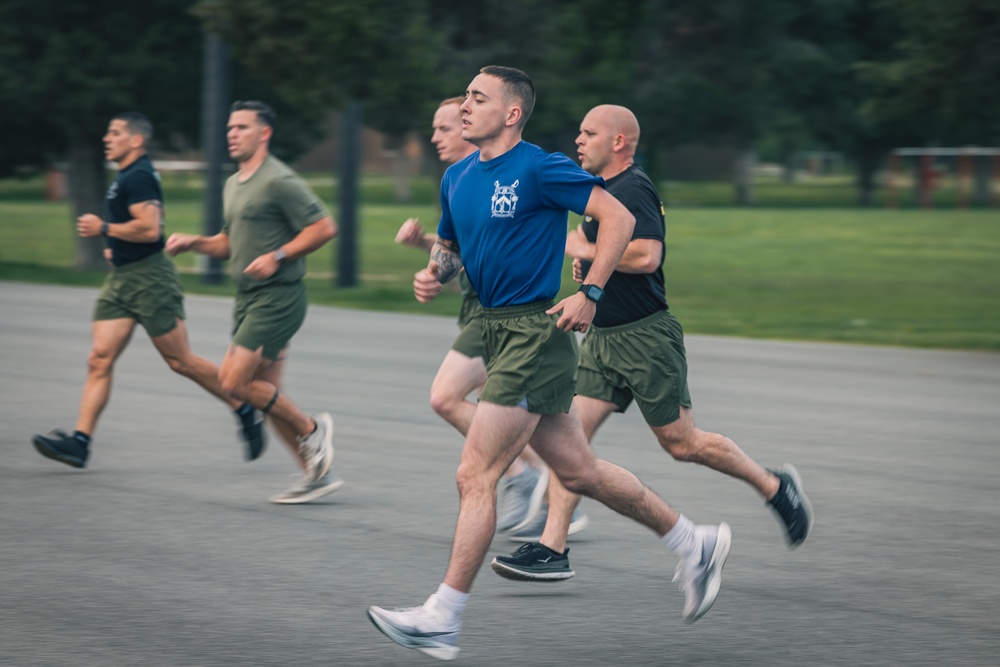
(792, 506)
(534, 562)
(252, 431)
(61, 447)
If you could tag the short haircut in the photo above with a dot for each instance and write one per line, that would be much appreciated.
(137, 123)
(516, 84)
(451, 100)
(265, 114)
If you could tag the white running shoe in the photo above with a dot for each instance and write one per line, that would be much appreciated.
(422, 628)
(519, 498)
(317, 447)
(304, 491)
(700, 580)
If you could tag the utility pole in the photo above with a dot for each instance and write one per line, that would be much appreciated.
(350, 158)
(215, 101)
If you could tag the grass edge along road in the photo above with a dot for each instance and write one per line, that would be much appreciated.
(918, 278)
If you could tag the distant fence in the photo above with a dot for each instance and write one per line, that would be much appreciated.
(928, 174)
(55, 176)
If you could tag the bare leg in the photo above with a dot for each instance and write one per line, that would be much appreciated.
(593, 412)
(496, 436)
(238, 377)
(272, 373)
(175, 349)
(685, 442)
(457, 377)
(561, 441)
(108, 340)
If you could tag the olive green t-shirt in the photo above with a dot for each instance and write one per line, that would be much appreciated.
(262, 214)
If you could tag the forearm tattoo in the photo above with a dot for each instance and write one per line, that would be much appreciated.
(448, 259)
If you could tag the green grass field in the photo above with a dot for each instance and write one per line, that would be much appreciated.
(923, 278)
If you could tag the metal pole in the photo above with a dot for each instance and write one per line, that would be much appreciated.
(961, 178)
(215, 101)
(925, 180)
(890, 178)
(350, 157)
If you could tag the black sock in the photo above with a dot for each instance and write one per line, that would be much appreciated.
(82, 438)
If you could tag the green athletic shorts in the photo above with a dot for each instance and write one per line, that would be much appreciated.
(643, 360)
(268, 317)
(146, 291)
(470, 320)
(530, 362)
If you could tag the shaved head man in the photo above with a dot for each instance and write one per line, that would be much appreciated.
(611, 134)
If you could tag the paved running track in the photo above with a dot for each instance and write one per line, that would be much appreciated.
(165, 550)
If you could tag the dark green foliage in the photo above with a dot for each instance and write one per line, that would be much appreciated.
(945, 70)
(66, 66)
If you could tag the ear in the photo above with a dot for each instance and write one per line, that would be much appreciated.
(618, 143)
(513, 116)
(136, 141)
(266, 132)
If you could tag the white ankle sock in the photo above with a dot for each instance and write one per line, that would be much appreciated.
(450, 602)
(681, 539)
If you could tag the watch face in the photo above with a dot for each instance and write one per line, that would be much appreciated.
(593, 292)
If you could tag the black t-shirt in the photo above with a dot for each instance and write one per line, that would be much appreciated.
(136, 183)
(632, 296)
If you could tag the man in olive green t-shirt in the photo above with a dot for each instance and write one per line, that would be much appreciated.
(272, 221)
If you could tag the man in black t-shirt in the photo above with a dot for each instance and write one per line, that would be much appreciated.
(142, 287)
(635, 351)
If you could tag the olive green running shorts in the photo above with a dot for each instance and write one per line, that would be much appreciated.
(643, 360)
(470, 321)
(268, 317)
(147, 291)
(530, 362)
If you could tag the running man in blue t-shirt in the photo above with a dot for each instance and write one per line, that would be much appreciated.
(504, 215)
(522, 489)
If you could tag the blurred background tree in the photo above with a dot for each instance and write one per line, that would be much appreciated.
(857, 77)
(67, 66)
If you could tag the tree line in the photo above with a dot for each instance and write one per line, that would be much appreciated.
(855, 76)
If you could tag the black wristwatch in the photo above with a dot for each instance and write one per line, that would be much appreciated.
(592, 292)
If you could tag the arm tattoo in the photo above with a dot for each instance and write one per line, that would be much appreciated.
(448, 259)
(158, 205)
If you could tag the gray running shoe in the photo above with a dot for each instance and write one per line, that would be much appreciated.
(304, 491)
(534, 562)
(317, 447)
(421, 628)
(700, 580)
(792, 506)
(533, 531)
(519, 498)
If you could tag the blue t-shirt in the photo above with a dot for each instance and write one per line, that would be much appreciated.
(509, 216)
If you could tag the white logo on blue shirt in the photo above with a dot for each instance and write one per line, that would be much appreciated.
(112, 191)
(504, 199)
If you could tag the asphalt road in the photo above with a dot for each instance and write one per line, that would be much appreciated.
(165, 551)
